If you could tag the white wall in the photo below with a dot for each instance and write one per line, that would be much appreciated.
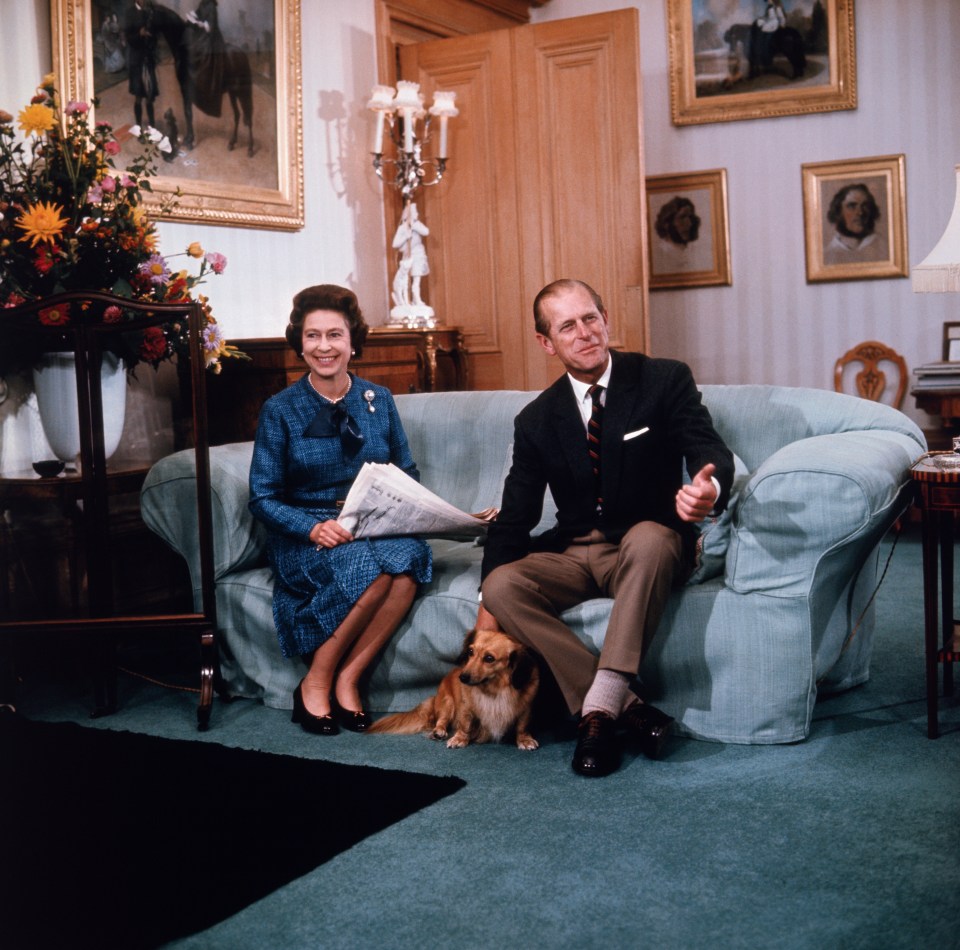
(770, 326)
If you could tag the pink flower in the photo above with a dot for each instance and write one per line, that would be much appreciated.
(108, 184)
(111, 148)
(95, 193)
(76, 108)
(217, 261)
(112, 314)
(126, 181)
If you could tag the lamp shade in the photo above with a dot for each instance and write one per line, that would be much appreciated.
(940, 271)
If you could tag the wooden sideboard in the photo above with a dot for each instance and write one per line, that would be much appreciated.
(405, 361)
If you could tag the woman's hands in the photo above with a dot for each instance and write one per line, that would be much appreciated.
(328, 534)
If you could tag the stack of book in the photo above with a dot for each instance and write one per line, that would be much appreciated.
(940, 375)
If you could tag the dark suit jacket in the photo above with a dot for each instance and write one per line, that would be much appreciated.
(640, 477)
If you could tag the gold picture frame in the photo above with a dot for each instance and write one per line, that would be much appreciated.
(259, 184)
(689, 232)
(854, 217)
(730, 69)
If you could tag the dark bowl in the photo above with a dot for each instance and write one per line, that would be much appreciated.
(48, 468)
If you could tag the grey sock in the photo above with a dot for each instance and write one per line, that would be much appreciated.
(608, 693)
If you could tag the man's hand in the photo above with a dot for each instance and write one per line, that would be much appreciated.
(486, 620)
(696, 500)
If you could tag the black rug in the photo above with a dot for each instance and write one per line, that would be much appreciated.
(112, 839)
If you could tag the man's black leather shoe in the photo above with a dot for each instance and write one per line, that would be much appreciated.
(597, 752)
(648, 726)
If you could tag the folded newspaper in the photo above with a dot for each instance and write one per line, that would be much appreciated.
(384, 500)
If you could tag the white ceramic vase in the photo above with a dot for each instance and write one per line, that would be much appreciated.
(55, 383)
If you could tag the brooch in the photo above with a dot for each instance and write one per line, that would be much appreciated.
(369, 396)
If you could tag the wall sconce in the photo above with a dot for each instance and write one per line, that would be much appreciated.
(400, 115)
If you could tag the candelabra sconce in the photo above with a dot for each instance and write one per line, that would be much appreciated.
(400, 116)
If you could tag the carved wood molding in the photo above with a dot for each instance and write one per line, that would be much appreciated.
(462, 16)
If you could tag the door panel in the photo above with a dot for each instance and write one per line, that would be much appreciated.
(545, 181)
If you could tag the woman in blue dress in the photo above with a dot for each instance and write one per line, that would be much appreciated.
(336, 600)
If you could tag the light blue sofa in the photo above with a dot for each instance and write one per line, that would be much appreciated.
(739, 657)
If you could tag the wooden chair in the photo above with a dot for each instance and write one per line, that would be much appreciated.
(871, 380)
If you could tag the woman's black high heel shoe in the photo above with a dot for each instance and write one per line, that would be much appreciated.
(354, 721)
(318, 725)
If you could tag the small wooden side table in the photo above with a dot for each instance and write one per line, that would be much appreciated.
(937, 478)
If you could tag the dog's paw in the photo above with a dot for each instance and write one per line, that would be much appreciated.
(459, 740)
(438, 733)
(527, 743)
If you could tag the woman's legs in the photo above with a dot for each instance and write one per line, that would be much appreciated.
(370, 623)
(381, 627)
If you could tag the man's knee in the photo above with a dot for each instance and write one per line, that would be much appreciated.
(652, 542)
(500, 586)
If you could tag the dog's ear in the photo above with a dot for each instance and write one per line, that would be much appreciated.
(464, 650)
(522, 663)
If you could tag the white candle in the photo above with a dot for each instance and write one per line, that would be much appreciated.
(443, 108)
(407, 102)
(381, 102)
(442, 150)
(378, 134)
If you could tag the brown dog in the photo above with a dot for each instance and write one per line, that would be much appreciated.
(489, 694)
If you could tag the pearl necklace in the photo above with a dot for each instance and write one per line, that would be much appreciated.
(313, 386)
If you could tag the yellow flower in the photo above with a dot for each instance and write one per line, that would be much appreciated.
(36, 118)
(41, 222)
(195, 249)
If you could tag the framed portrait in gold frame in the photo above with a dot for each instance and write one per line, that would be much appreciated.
(854, 218)
(755, 60)
(243, 164)
(689, 242)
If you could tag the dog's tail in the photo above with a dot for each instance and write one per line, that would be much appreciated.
(408, 723)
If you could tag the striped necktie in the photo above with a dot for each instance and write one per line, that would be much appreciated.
(594, 429)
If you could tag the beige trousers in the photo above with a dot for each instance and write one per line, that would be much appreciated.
(528, 596)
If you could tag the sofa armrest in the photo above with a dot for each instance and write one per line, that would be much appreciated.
(168, 503)
(811, 498)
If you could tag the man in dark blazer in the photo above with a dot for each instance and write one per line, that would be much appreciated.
(613, 459)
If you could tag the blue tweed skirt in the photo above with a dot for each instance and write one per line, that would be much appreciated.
(315, 590)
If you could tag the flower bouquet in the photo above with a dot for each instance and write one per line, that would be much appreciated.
(69, 220)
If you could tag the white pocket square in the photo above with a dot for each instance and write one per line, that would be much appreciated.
(635, 433)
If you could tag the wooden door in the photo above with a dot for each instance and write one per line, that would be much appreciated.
(545, 181)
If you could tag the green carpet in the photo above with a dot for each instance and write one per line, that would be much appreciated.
(846, 841)
(113, 839)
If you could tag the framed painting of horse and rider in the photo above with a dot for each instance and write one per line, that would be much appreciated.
(220, 79)
(755, 59)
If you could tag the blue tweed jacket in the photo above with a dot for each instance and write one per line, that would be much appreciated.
(295, 480)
